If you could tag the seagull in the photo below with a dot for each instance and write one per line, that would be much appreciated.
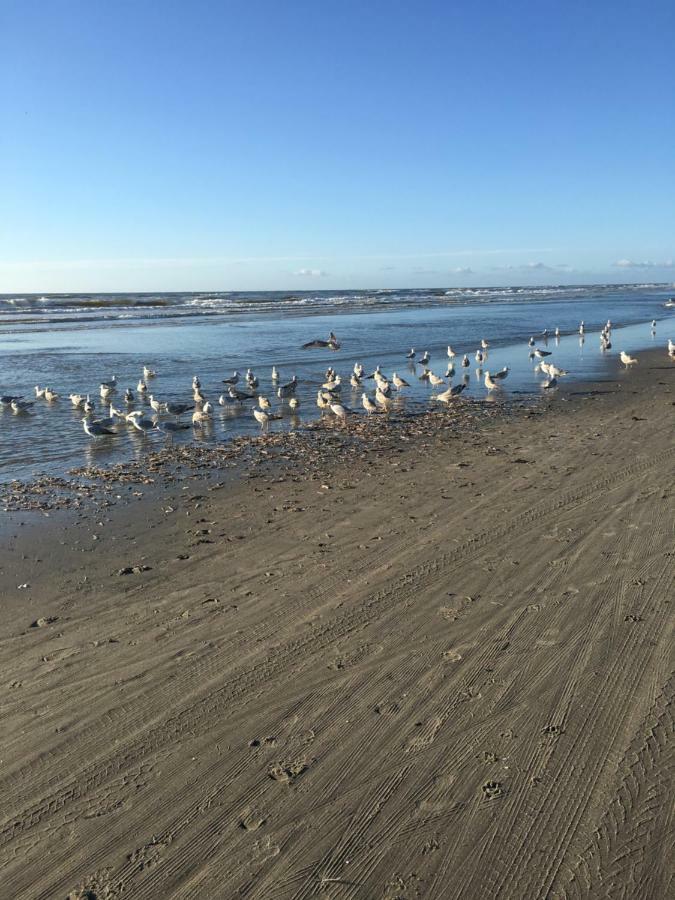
(155, 404)
(39, 392)
(169, 428)
(76, 399)
(479, 357)
(106, 391)
(451, 393)
(112, 383)
(196, 383)
(95, 429)
(148, 373)
(359, 371)
(368, 404)
(551, 383)
(199, 416)
(275, 374)
(450, 371)
(434, 380)
(382, 399)
(233, 380)
(530, 343)
(88, 406)
(251, 380)
(285, 390)
(321, 400)
(140, 423)
(21, 406)
(410, 355)
(109, 420)
(335, 386)
(6, 399)
(294, 403)
(541, 354)
(355, 381)
(451, 352)
(50, 395)
(399, 383)
(627, 360)
(557, 332)
(424, 359)
(141, 387)
(331, 344)
(465, 361)
(582, 328)
(240, 395)
(264, 417)
(489, 383)
(177, 409)
(129, 396)
(264, 403)
(340, 411)
(226, 400)
(671, 348)
(425, 374)
(501, 374)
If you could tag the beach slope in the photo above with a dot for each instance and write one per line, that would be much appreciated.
(441, 669)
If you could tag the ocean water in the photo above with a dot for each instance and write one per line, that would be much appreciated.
(73, 342)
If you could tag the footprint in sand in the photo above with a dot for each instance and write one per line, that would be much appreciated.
(427, 735)
(288, 772)
(251, 820)
(492, 789)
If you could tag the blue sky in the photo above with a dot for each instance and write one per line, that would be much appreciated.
(175, 145)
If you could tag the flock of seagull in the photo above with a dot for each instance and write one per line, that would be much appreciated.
(167, 416)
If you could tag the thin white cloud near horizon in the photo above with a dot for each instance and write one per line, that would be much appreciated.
(646, 264)
(142, 274)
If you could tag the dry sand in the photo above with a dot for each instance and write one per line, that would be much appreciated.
(435, 669)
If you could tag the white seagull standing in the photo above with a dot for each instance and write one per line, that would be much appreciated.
(627, 360)
(95, 429)
(264, 417)
(368, 404)
(340, 411)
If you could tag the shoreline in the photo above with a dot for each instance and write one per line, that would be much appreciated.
(67, 491)
(50, 439)
(366, 674)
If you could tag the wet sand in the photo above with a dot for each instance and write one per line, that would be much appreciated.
(435, 662)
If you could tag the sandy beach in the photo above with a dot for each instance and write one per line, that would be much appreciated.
(427, 661)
